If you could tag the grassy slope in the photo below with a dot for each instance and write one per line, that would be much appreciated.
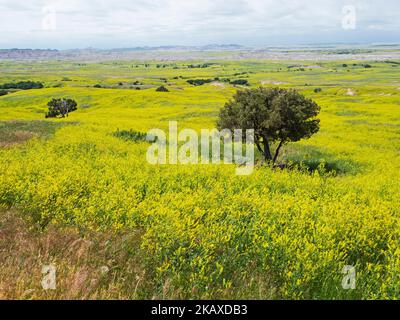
(283, 234)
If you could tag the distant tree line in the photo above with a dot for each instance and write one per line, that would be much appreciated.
(365, 65)
(194, 66)
(200, 82)
(23, 85)
(241, 82)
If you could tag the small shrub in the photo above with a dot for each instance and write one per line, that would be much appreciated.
(317, 90)
(132, 135)
(162, 89)
(97, 86)
(3, 92)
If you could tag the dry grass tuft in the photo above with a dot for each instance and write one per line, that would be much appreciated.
(89, 265)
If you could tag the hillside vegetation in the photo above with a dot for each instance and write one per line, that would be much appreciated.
(200, 230)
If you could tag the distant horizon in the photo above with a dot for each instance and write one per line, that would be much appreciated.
(241, 46)
(71, 24)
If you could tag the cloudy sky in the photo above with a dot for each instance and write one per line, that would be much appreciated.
(64, 24)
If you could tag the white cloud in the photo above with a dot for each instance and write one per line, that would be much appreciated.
(105, 23)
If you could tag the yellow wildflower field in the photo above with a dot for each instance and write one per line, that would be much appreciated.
(206, 232)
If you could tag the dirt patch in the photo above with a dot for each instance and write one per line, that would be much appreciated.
(18, 132)
(263, 82)
(313, 67)
(218, 84)
(17, 137)
(350, 92)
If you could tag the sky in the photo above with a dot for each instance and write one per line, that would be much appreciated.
(68, 24)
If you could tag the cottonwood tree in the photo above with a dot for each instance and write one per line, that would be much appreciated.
(60, 107)
(278, 116)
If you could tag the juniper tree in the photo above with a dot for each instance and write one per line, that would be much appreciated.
(277, 116)
(60, 107)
